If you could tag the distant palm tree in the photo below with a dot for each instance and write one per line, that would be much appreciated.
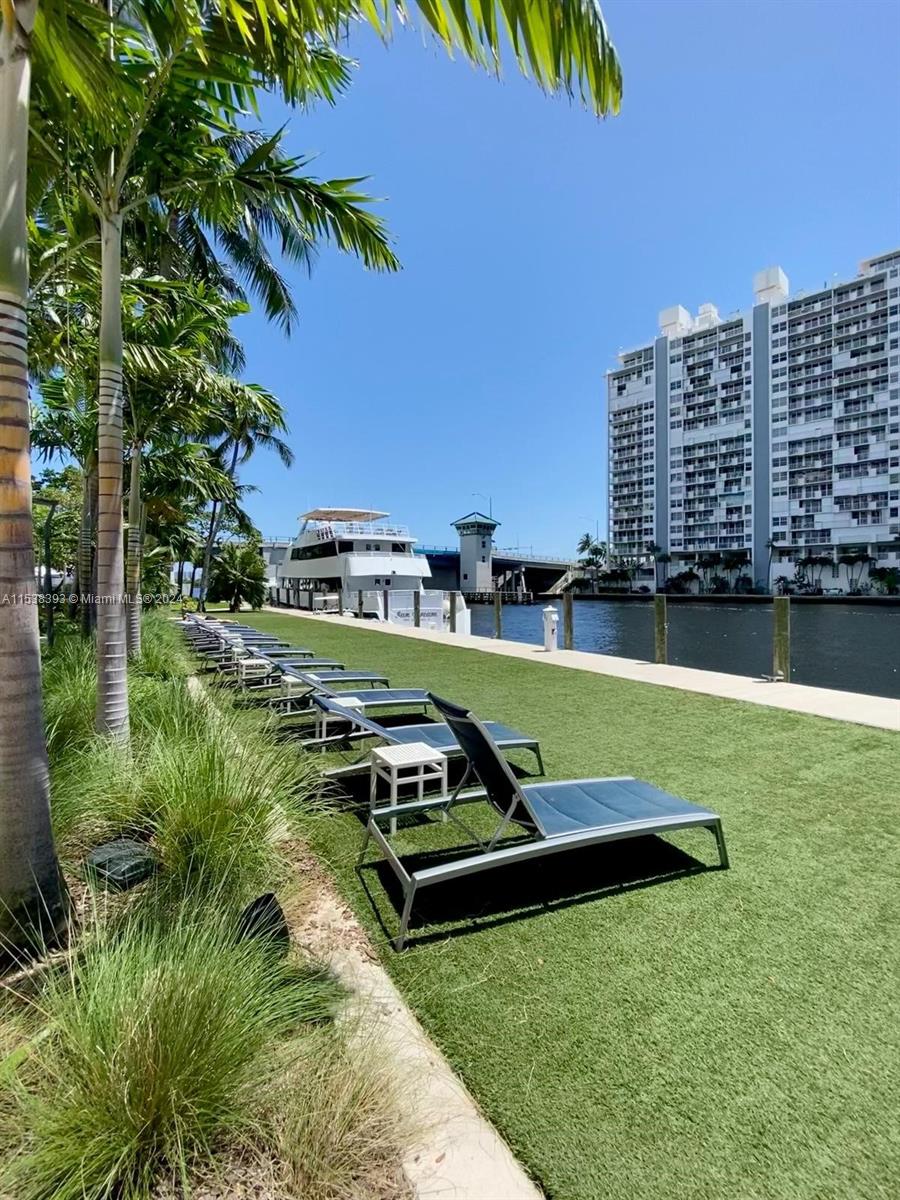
(732, 561)
(254, 422)
(238, 575)
(851, 561)
(594, 555)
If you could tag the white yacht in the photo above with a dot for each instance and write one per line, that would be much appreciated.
(346, 556)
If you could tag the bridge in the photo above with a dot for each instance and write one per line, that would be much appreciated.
(512, 568)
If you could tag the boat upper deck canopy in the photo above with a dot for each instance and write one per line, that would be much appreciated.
(342, 514)
(326, 524)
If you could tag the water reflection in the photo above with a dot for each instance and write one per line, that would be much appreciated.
(851, 647)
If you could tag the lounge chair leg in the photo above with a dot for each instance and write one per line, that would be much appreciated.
(719, 835)
(366, 839)
(400, 939)
(540, 761)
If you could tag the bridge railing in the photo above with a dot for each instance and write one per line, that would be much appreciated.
(510, 552)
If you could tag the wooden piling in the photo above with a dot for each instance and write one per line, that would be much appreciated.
(781, 637)
(453, 612)
(385, 604)
(661, 626)
(568, 622)
(498, 615)
(417, 609)
(359, 605)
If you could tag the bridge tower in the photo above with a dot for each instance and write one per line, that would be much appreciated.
(476, 548)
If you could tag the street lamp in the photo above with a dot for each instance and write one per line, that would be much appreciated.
(596, 521)
(490, 501)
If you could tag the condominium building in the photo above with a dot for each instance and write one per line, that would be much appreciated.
(780, 422)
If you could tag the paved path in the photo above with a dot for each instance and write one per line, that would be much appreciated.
(878, 711)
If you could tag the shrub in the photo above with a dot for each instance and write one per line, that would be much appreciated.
(163, 652)
(162, 1046)
(337, 1120)
(94, 795)
(70, 690)
(218, 805)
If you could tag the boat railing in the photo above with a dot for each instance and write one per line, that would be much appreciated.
(346, 529)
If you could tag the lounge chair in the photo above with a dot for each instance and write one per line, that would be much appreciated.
(363, 698)
(436, 734)
(566, 815)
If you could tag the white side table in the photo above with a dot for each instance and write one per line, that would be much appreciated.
(252, 668)
(289, 687)
(322, 717)
(414, 763)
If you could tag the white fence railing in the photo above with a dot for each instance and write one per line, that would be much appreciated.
(434, 607)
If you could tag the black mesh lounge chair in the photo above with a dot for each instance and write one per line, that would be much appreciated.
(291, 666)
(570, 814)
(435, 734)
(364, 698)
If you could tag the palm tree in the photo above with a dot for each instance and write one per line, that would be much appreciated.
(184, 542)
(732, 561)
(122, 169)
(254, 422)
(31, 895)
(176, 351)
(64, 424)
(239, 574)
(585, 543)
(563, 43)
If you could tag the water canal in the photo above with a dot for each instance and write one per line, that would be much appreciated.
(851, 647)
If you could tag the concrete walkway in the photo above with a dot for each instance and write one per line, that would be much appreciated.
(877, 711)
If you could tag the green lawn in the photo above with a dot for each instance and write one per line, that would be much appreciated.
(713, 1034)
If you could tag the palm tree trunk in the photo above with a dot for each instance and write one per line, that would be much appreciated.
(86, 548)
(112, 683)
(213, 530)
(32, 907)
(193, 577)
(133, 569)
(95, 508)
(179, 582)
(207, 556)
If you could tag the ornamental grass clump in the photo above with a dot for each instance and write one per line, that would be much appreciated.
(339, 1124)
(70, 688)
(163, 652)
(219, 807)
(165, 1039)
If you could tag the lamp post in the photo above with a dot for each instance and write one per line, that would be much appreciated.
(490, 501)
(48, 571)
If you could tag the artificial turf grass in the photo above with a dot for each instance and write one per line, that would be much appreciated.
(722, 1033)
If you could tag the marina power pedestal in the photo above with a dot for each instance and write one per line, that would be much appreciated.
(551, 627)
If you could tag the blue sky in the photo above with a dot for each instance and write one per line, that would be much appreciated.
(537, 242)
